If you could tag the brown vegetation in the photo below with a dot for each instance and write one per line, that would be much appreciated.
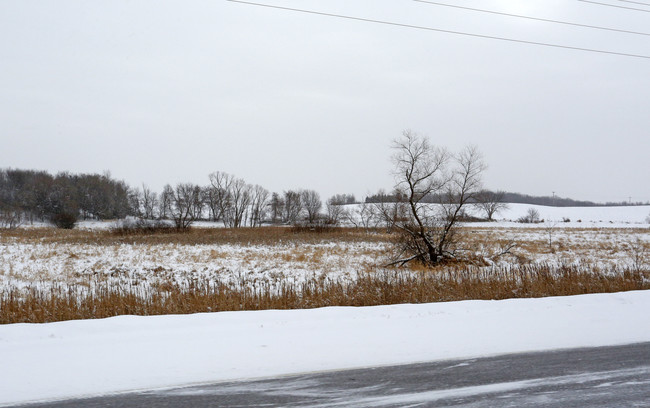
(114, 289)
(195, 236)
(98, 299)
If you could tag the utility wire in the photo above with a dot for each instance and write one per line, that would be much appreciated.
(635, 2)
(532, 18)
(614, 5)
(367, 20)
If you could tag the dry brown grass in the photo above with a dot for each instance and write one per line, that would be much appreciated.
(98, 299)
(194, 236)
(110, 289)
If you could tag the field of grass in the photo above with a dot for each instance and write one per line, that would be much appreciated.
(49, 275)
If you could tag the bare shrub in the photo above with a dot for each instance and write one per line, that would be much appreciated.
(639, 254)
(10, 219)
(64, 220)
(318, 226)
(549, 227)
(130, 226)
(531, 217)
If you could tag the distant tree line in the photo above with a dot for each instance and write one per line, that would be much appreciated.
(64, 198)
(28, 195)
(508, 197)
(227, 199)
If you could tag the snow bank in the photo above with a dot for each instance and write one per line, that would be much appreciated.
(90, 357)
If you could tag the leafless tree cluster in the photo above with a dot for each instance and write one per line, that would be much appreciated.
(144, 203)
(232, 197)
(28, 196)
(228, 199)
(295, 206)
(343, 199)
(429, 232)
(379, 213)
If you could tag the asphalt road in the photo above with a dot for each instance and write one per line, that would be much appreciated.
(594, 377)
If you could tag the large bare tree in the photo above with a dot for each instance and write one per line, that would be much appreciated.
(292, 207)
(276, 208)
(259, 204)
(184, 204)
(336, 211)
(165, 202)
(220, 184)
(490, 203)
(149, 203)
(312, 204)
(422, 172)
(232, 196)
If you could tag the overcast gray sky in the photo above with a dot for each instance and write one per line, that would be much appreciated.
(168, 91)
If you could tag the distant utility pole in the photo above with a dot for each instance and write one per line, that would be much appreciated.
(553, 198)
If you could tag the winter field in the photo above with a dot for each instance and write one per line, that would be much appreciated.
(38, 257)
(573, 251)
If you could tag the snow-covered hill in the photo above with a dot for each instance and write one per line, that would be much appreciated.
(598, 215)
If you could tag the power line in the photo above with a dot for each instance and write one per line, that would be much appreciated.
(614, 5)
(532, 18)
(635, 2)
(489, 37)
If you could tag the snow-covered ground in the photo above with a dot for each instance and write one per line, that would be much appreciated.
(605, 237)
(91, 357)
(615, 217)
(76, 358)
(48, 262)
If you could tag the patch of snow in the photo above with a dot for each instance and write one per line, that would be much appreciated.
(90, 357)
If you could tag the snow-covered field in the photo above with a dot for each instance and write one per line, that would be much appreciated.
(617, 238)
(43, 263)
(91, 357)
(580, 217)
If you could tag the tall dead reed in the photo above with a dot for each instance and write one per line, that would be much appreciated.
(100, 299)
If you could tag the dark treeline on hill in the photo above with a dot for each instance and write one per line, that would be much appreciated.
(38, 196)
(518, 198)
(507, 197)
